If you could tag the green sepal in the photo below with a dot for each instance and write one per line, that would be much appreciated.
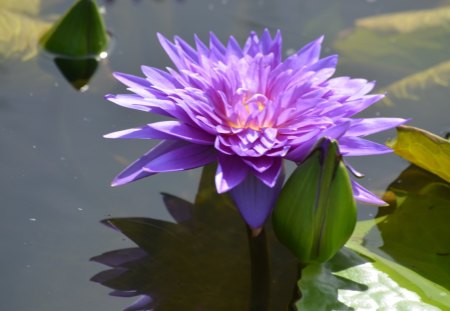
(316, 213)
(79, 33)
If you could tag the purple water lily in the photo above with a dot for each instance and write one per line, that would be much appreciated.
(248, 110)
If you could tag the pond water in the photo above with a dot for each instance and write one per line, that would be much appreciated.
(56, 167)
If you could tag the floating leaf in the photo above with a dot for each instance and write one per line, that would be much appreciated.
(405, 281)
(353, 282)
(79, 33)
(424, 149)
(19, 32)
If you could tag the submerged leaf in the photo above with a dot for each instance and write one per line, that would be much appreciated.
(19, 34)
(406, 22)
(397, 45)
(410, 86)
(31, 7)
(424, 149)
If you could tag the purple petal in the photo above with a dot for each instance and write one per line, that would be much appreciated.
(299, 153)
(160, 78)
(255, 200)
(132, 81)
(183, 131)
(355, 146)
(231, 171)
(309, 54)
(166, 130)
(259, 164)
(363, 127)
(270, 176)
(362, 194)
(136, 170)
(137, 102)
(350, 108)
(182, 156)
(172, 51)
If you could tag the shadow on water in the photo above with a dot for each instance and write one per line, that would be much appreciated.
(202, 262)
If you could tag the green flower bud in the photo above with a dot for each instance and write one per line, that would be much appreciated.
(316, 213)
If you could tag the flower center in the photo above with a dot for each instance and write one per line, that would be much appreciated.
(250, 112)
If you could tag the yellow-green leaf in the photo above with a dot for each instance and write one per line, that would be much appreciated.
(19, 34)
(31, 7)
(424, 149)
(410, 86)
(406, 22)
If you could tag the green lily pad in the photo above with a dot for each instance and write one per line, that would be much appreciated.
(351, 281)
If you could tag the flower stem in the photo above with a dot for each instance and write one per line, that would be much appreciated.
(260, 270)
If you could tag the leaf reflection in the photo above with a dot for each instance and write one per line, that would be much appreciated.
(202, 261)
(199, 263)
(416, 232)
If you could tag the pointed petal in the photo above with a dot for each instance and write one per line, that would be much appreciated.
(355, 146)
(137, 102)
(363, 127)
(132, 81)
(362, 194)
(182, 156)
(231, 171)
(136, 170)
(255, 200)
(175, 129)
(299, 153)
(160, 78)
(259, 164)
(271, 175)
(172, 51)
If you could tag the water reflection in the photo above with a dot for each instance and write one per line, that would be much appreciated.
(77, 72)
(416, 231)
(202, 261)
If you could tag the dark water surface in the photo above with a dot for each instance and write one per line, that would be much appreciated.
(55, 167)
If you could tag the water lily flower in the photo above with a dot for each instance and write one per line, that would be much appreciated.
(249, 110)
